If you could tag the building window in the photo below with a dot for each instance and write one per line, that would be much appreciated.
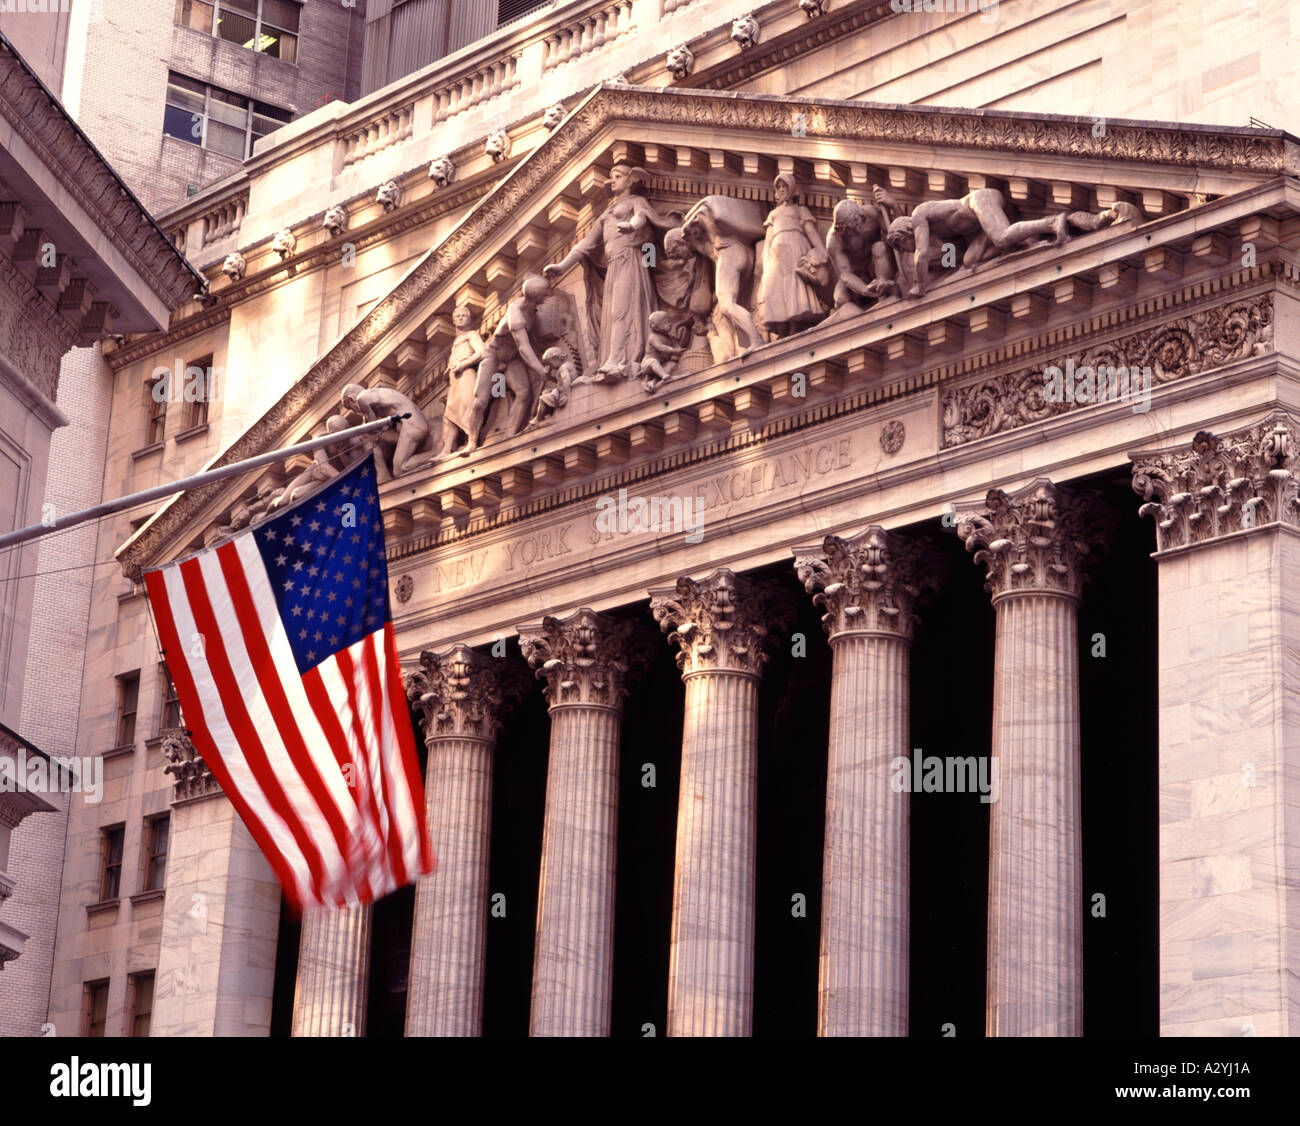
(269, 26)
(155, 406)
(157, 833)
(171, 709)
(111, 885)
(95, 1016)
(141, 1003)
(128, 698)
(217, 119)
(198, 397)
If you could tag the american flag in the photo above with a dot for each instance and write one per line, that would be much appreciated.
(281, 645)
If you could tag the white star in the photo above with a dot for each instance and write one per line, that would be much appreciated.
(281, 560)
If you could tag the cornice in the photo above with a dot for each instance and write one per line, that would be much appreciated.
(1181, 146)
(35, 115)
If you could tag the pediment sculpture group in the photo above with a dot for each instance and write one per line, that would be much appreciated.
(671, 293)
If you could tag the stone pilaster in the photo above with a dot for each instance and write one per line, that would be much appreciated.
(461, 697)
(1034, 543)
(868, 586)
(722, 626)
(333, 972)
(583, 661)
(1228, 558)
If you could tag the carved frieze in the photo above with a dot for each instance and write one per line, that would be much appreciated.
(1036, 539)
(584, 658)
(868, 583)
(722, 623)
(1171, 351)
(1220, 484)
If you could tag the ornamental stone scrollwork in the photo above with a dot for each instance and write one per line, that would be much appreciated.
(389, 195)
(404, 588)
(1035, 540)
(442, 171)
(1220, 484)
(336, 220)
(868, 583)
(234, 267)
(744, 32)
(892, 436)
(463, 694)
(585, 658)
(283, 243)
(193, 778)
(725, 622)
(680, 62)
(1171, 351)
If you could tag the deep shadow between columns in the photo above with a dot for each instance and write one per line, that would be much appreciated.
(518, 808)
(951, 714)
(647, 835)
(1119, 742)
(286, 971)
(794, 719)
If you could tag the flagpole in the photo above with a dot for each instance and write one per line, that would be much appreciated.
(32, 531)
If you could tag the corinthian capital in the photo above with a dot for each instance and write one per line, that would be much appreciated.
(868, 583)
(1219, 484)
(461, 693)
(584, 658)
(1036, 539)
(722, 622)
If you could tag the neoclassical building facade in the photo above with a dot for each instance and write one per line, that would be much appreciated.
(839, 549)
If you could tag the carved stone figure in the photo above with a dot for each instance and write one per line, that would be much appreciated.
(680, 62)
(662, 350)
(234, 267)
(554, 115)
(814, 7)
(462, 374)
(328, 462)
(497, 146)
(283, 243)
(336, 220)
(389, 194)
(618, 80)
(509, 353)
(441, 171)
(397, 447)
(856, 246)
(792, 255)
(561, 373)
(724, 230)
(979, 218)
(744, 32)
(619, 301)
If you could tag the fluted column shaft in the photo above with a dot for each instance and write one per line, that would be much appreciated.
(1035, 543)
(863, 977)
(1035, 934)
(722, 626)
(461, 697)
(574, 957)
(711, 960)
(449, 936)
(333, 972)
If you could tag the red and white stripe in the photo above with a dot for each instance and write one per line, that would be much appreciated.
(283, 745)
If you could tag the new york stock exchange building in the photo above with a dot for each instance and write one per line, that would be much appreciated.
(842, 549)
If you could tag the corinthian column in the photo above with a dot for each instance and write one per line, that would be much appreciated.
(721, 626)
(868, 586)
(1033, 543)
(459, 695)
(583, 661)
(333, 972)
(1227, 512)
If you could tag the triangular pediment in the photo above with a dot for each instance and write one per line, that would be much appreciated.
(696, 145)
